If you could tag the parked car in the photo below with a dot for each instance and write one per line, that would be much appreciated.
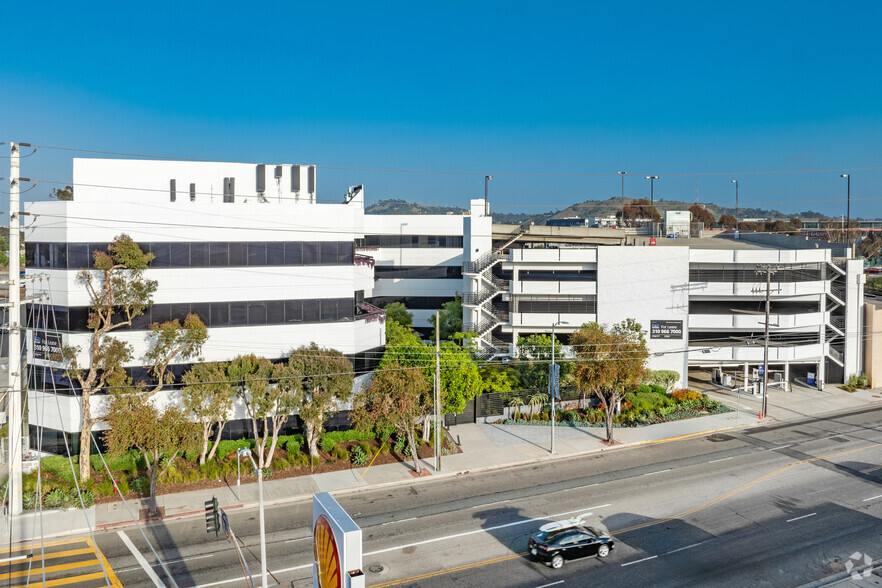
(557, 542)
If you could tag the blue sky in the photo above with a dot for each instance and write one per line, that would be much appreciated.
(726, 90)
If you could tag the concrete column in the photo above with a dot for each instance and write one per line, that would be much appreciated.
(787, 375)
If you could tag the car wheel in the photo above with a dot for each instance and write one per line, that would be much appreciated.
(557, 562)
(603, 550)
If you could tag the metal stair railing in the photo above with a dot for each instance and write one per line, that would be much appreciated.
(482, 263)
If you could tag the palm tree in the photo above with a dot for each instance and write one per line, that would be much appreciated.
(536, 399)
(515, 402)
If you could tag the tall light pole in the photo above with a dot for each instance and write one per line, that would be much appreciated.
(553, 380)
(247, 452)
(623, 174)
(848, 207)
(486, 202)
(651, 186)
(736, 203)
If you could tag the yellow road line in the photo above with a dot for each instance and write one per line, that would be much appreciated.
(64, 581)
(635, 527)
(114, 581)
(34, 572)
(36, 545)
(37, 556)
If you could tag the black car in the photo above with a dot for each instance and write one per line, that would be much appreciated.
(553, 547)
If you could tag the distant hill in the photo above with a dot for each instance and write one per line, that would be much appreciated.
(587, 209)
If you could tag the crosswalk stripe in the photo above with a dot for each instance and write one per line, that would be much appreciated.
(34, 572)
(64, 581)
(114, 581)
(36, 545)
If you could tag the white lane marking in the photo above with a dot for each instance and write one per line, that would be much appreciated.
(782, 447)
(871, 498)
(172, 561)
(140, 558)
(658, 472)
(401, 521)
(295, 540)
(639, 560)
(578, 487)
(552, 584)
(309, 565)
(802, 517)
(721, 459)
(491, 503)
(684, 548)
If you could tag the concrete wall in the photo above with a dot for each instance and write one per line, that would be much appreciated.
(873, 346)
(795, 242)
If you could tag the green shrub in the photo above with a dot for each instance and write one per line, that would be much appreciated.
(29, 500)
(88, 499)
(292, 446)
(331, 438)
(227, 446)
(123, 486)
(400, 443)
(280, 463)
(267, 473)
(357, 456)
(386, 446)
(54, 499)
(366, 447)
(141, 486)
(104, 488)
(58, 466)
(340, 453)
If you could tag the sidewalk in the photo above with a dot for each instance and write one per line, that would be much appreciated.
(484, 447)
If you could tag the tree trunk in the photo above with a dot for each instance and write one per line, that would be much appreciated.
(85, 437)
(154, 474)
(312, 438)
(609, 421)
(274, 442)
(206, 432)
(217, 439)
(413, 450)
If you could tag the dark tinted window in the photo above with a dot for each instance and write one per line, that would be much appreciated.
(345, 309)
(257, 254)
(220, 254)
(160, 313)
(345, 253)
(310, 253)
(78, 255)
(293, 311)
(180, 254)
(202, 311)
(275, 312)
(220, 314)
(238, 254)
(311, 311)
(180, 312)
(30, 254)
(256, 313)
(329, 310)
(238, 313)
(293, 253)
(328, 255)
(198, 254)
(162, 251)
(275, 253)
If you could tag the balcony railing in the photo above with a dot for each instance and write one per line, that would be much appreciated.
(364, 260)
(369, 313)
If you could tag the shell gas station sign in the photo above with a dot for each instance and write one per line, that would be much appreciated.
(336, 545)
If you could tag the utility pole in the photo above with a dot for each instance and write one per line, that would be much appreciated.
(553, 381)
(14, 413)
(623, 174)
(438, 391)
(736, 205)
(768, 269)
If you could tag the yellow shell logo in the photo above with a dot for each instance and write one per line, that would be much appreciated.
(327, 559)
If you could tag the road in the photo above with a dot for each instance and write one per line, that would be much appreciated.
(778, 505)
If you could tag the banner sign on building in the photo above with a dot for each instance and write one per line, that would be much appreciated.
(46, 344)
(666, 329)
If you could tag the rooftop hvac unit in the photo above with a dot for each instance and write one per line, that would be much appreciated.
(229, 189)
(172, 190)
(261, 178)
(295, 178)
(311, 180)
(278, 172)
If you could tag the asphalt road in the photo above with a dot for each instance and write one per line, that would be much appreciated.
(777, 505)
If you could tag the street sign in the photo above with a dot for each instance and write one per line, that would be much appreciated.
(224, 524)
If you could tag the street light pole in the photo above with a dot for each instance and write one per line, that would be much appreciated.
(623, 174)
(263, 581)
(551, 381)
(486, 202)
(736, 203)
(848, 208)
(651, 186)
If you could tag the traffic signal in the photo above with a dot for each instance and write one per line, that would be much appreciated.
(212, 516)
